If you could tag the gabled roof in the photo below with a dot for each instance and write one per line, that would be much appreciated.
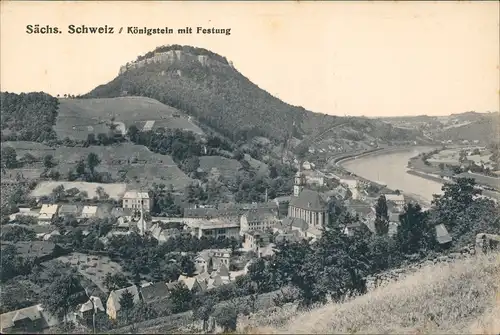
(309, 200)
(394, 197)
(48, 209)
(115, 296)
(136, 195)
(68, 209)
(223, 271)
(442, 235)
(7, 319)
(155, 292)
(88, 306)
(259, 215)
(188, 281)
(295, 222)
(89, 210)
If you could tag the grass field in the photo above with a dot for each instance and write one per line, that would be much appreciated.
(127, 162)
(45, 188)
(217, 164)
(77, 115)
(457, 298)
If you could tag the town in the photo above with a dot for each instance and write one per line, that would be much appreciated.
(181, 197)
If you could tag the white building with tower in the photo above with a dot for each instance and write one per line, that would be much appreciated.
(307, 204)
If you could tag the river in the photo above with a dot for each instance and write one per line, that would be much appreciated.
(390, 169)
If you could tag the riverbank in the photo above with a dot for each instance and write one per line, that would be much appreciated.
(388, 167)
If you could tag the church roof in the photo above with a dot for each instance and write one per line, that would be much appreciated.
(309, 200)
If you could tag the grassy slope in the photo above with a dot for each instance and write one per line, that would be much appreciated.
(150, 167)
(80, 113)
(461, 297)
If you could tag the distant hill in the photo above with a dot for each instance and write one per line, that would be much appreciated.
(473, 126)
(207, 86)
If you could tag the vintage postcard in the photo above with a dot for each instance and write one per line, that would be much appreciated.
(250, 167)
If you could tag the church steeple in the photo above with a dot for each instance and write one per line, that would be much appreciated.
(298, 183)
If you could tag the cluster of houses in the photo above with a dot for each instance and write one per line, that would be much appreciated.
(258, 225)
(300, 215)
(212, 270)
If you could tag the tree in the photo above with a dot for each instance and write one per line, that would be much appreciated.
(203, 307)
(80, 167)
(58, 193)
(115, 281)
(48, 161)
(91, 139)
(226, 316)
(259, 274)
(62, 294)
(133, 133)
(456, 198)
(188, 267)
(127, 303)
(381, 216)
(181, 298)
(414, 234)
(9, 157)
(92, 162)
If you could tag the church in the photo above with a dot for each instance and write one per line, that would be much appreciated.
(307, 205)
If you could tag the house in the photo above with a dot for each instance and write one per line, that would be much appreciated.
(69, 210)
(33, 319)
(217, 228)
(211, 259)
(113, 303)
(38, 251)
(136, 200)
(351, 228)
(47, 213)
(254, 240)
(352, 184)
(308, 205)
(24, 212)
(192, 283)
(89, 212)
(257, 219)
(288, 236)
(152, 293)
(87, 309)
(442, 235)
(307, 166)
(397, 199)
(163, 234)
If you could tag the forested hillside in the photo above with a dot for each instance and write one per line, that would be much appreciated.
(206, 86)
(28, 116)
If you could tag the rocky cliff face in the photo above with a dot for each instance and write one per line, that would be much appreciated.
(170, 57)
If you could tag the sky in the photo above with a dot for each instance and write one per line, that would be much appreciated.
(359, 58)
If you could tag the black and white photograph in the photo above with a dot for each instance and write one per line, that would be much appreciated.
(250, 167)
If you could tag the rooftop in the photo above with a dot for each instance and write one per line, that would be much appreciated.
(116, 295)
(48, 209)
(156, 291)
(89, 210)
(217, 223)
(259, 215)
(309, 200)
(136, 195)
